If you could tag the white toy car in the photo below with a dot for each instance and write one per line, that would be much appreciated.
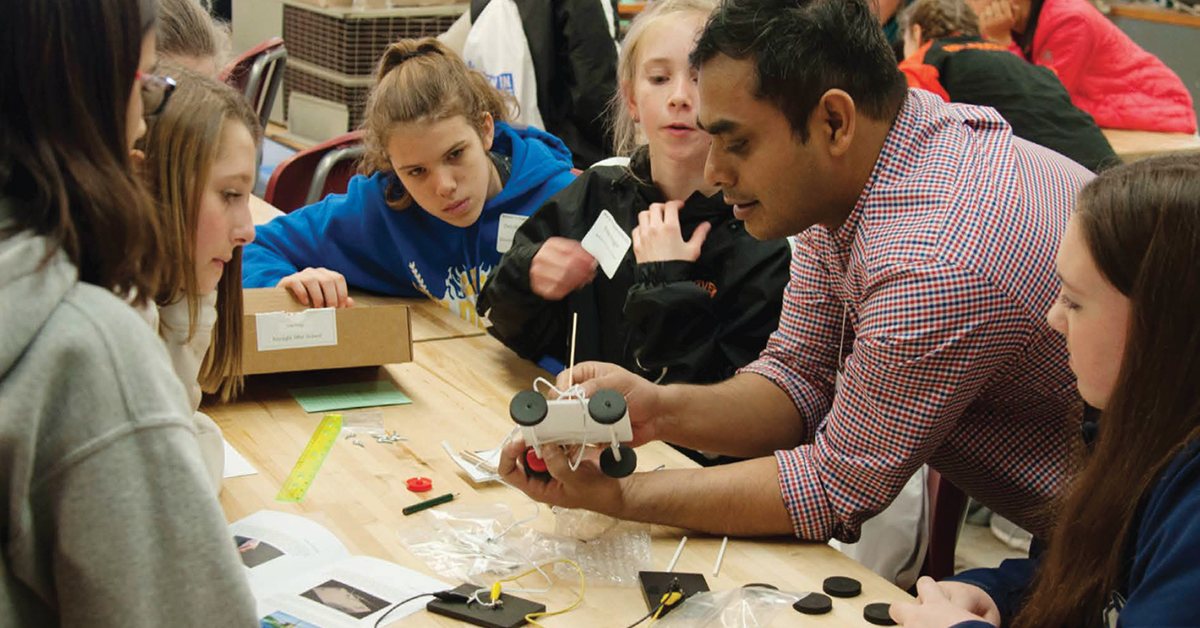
(603, 419)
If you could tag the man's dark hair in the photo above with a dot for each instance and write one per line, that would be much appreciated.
(803, 48)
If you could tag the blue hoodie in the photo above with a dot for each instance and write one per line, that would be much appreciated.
(409, 252)
(1163, 559)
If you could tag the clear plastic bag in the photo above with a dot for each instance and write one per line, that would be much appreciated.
(747, 607)
(609, 551)
(483, 543)
(363, 422)
(474, 543)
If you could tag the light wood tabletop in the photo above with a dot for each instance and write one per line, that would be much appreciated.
(460, 388)
(1134, 145)
(461, 382)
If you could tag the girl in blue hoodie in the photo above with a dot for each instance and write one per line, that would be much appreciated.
(446, 184)
(1126, 546)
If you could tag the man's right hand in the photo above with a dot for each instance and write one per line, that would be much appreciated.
(318, 287)
(643, 398)
(560, 267)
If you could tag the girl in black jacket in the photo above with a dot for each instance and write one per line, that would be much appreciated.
(676, 309)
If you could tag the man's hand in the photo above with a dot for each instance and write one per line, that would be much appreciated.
(996, 20)
(641, 397)
(586, 487)
(560, 267)
(942, 604)
(318, 287)
(658, 238)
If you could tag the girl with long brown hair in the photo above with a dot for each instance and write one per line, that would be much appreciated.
(446, 181)
(200, 156)
(1126, 550)
(109, 519)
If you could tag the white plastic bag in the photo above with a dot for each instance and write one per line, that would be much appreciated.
(496, 46)
(747, 607)
(482, 543)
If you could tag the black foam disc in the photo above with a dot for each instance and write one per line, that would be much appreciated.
(879, 614)
(614, 469)
(606, 406)
(814, 604)
(841, 586)
(528, 408)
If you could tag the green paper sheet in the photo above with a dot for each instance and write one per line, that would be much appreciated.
(347, 396)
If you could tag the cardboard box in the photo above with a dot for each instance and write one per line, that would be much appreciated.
(294, 338)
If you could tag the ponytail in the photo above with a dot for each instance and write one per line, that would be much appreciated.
(423, 81)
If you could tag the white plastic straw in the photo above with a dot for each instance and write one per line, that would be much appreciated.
(571, 372)
(678, 551)
(720, 557)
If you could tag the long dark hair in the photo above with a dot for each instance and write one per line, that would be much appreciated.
(1141, 222)
(69, 70)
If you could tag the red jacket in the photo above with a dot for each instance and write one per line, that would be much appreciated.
(1106, 73)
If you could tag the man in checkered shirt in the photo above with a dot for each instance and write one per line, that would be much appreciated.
(925, 263)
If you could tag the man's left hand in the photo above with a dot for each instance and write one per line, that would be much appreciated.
(586, 487)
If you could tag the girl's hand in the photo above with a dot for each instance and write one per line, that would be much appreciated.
(657, 237)
(996, 20)
(944, 604)
(560, 267)
(318, 287)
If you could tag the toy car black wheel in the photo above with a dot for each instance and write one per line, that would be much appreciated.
(606, 406)
(614, 469)
(528, 408)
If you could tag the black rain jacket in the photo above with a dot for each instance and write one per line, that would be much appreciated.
(671, 321)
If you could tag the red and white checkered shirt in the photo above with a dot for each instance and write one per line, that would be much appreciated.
(942, 275)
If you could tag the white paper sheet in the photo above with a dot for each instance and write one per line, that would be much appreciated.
(607, 242)
(479, 474)
(275, 546)
(236, 465)
(352, 593)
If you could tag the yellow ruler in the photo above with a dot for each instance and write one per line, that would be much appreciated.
(301, 477)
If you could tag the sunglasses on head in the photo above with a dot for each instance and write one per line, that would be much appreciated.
(156, 90)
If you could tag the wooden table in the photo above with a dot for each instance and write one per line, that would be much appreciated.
(460, 389)
(461, 382)
(1151, 13)
(1134, 145)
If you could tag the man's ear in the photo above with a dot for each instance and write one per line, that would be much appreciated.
(834, 121)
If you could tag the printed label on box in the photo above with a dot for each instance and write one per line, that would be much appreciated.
(296, 330)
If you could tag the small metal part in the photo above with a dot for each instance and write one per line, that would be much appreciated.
(388, 439)
(359, 443)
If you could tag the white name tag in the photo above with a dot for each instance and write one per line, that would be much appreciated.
(507, 229)
(296, 330)
(607, 242)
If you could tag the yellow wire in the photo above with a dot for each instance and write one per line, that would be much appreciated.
(578, 600)
(655, 618)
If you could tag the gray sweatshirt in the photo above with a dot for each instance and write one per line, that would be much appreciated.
(110, 519)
